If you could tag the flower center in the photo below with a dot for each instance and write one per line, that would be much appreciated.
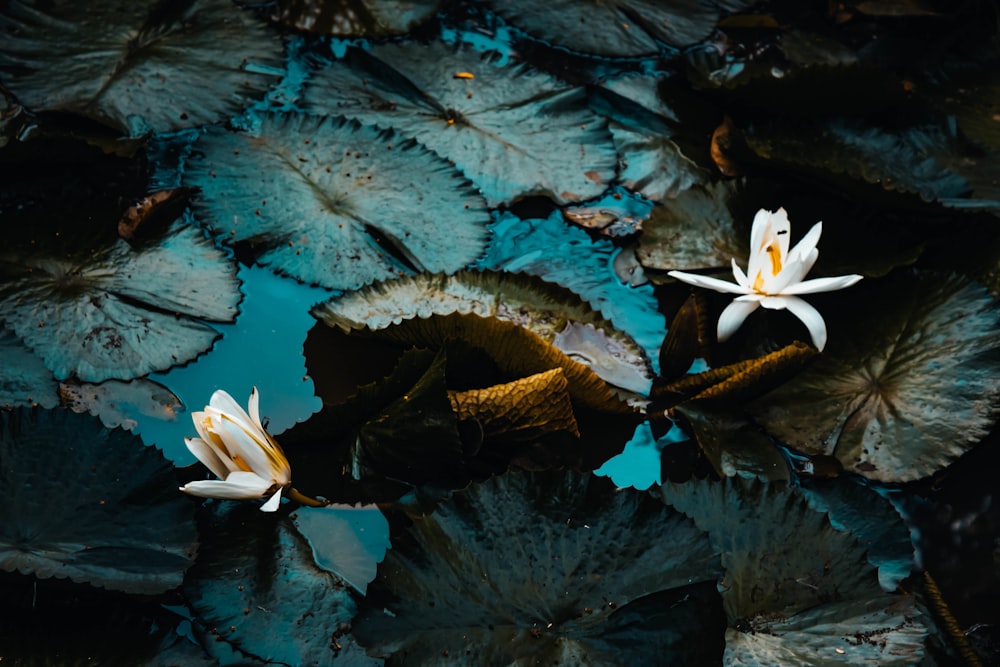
(774, 254)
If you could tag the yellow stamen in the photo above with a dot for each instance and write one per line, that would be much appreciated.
(774, 252)
(758, 282)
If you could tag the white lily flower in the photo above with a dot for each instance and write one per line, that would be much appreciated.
(774, 277)
(242, 454)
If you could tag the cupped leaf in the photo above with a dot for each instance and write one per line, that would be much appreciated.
(137, 66)
(420, 306)
(795, 589)
(110, 310)
(335, 203)
(257, 587)
(122, 525)
(356, 18)
(513, 130)
(24, 379)
(624, 28)
(562, 254)
(552, 567)
(909, 382)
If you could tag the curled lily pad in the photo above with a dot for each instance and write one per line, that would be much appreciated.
(122, 525)
(626, 28)
(335, 203)
(467, 580)
(138, 66)
(551, 312)
(109, 310)
(513, 130)
(258, 589)
(356, 18)
(795, 589)
(909, 382)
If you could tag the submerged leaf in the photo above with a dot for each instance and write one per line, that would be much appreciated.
(418, 306)
(513, 130)
(114, 311)
(909, 382)
(121, 525)
(626, 28)
(335, 203)
(553, 567)
(138, 66)
(121, 403)
(796, 590)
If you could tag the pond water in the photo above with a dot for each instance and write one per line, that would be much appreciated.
(559, 369)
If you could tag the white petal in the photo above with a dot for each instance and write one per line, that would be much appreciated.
(209, 457)
(822, 284)
(272, 503)
(811, 318)
(254, 405)
(808, 242)
(732, 317)
(774, 302)
(741, 278)
(237, 486)
(709, 283)
(223, 402)
(246, 447)
(782, 230)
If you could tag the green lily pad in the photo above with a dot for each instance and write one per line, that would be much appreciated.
(355, 18)
(98, 308)
(349, 542)
(334, 203)
(122, 525)
(795, 589)
(464, 582)
(121, 403)
(910, 381)
(258, 589)
(513, 130)
(554, 313)
(137, 66)
(568, 256)
(24, 379)
(626, 28)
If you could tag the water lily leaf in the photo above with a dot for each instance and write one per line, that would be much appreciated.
(122, 525)
(121, 403)
(346, 541)
(795, 589)
(114, 311)
(24, 379)
(872, 519)
(519, 410)
(258, 588)
(357, 18)
(137, 66)
(465, 580)
(654, 166)
(513, 130)
(695, 230)
(627, 28)
(419, 307)
(908, 383)
(335, 203)
(562, 254)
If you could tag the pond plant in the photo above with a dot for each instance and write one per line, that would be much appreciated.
(470, 251)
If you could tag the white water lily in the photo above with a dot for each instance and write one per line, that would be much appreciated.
(774, 277)
(235, 446)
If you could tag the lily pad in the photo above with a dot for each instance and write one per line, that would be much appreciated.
(910, 381)
(464, 582)
(347, 541)
(111, 310)
(24, 379)
(122, 524)
(258, 588)
(624, 28)
(567, 256)
(121, 403)
(137, 66)
(795, 589)
(355, 18)
(551, 312)
(513, 130)
(334, 203)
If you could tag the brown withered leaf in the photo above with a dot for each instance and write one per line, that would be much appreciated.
(521, 410)
(688, 336)
(719, 150)
(154, 211)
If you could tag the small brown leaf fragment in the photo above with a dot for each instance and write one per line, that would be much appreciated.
(720, 147)
(521, 410)
(162, 206)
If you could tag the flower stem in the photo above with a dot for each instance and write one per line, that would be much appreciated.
(293, 494)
